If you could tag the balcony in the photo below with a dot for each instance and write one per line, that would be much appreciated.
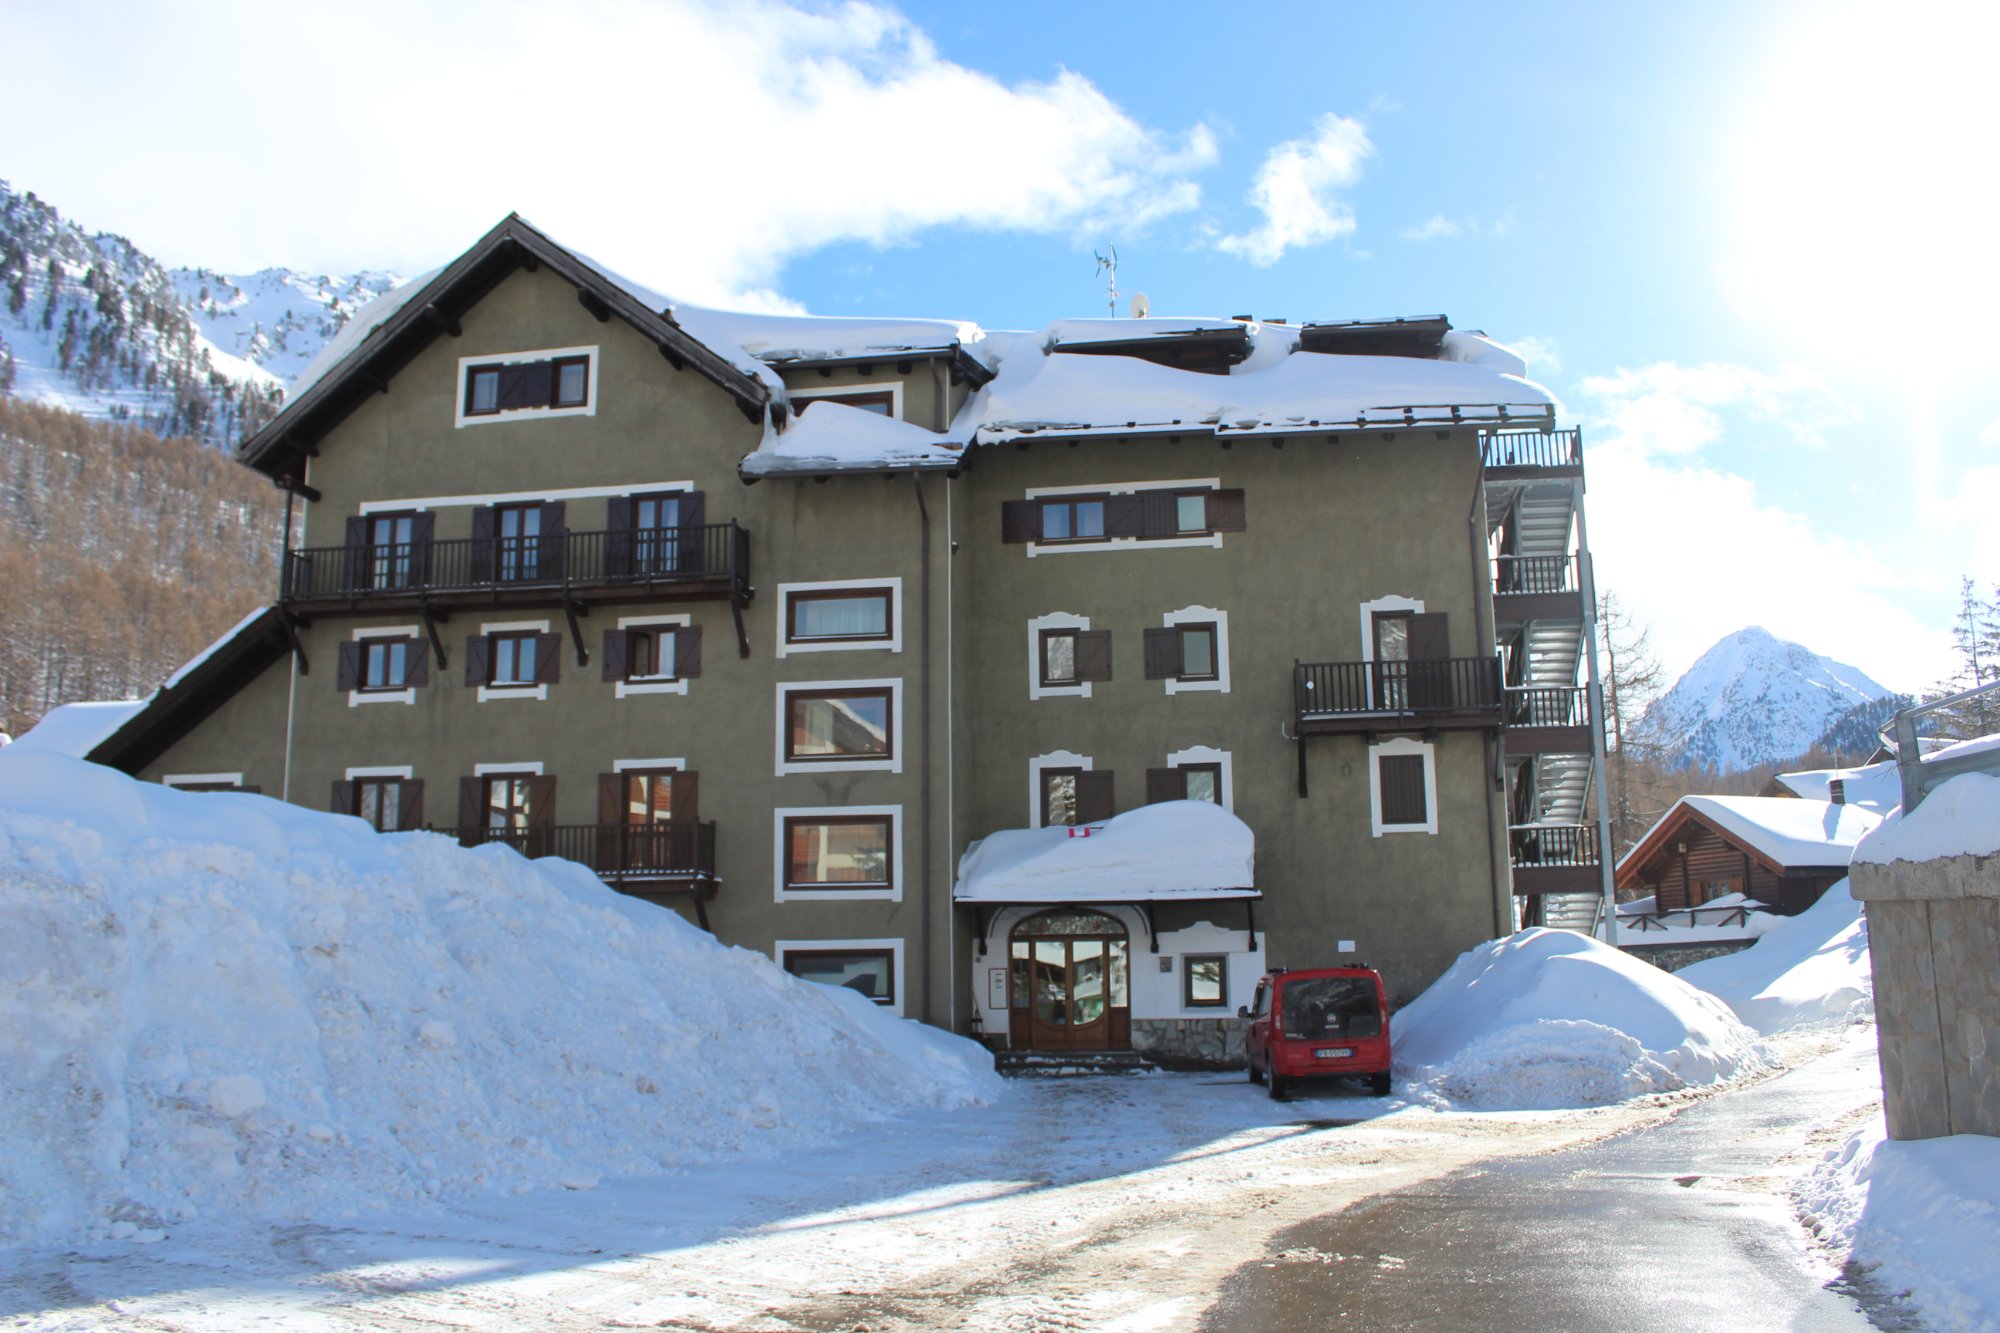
(1445, 694)
(1532, 453)
(1554, 858)
(1536, 587)
(707, 561)
(1547, 720)
(644, 860)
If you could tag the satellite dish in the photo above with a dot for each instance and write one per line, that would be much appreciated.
(1141, 307)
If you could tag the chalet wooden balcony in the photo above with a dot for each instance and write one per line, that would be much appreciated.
(1532, 453)
(1547, 720)
(1536, 587)
(645, 860)
(706, 561)
(1446, 694)
(1554, 858)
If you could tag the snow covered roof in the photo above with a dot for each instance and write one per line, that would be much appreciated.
(1873, 787)
(1792, 834)
(1961, 817)
(77, 729)
(835, 437)
(1186, 850)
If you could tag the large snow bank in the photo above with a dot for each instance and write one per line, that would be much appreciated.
(219, 1002)
(1925, 1216)
(1804, 970)
(1172, 849)
(77, 729)
(1550, 1018)
(1960, 818)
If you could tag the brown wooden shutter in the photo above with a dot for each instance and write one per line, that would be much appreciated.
(686, 797)
(410, 805)
(618, 536)
(529, 384)
(1124, 515)
(354, 563)
(1161, 514)
(548, 658)
(1163, 653)
(1402, 779)
(1430, 666)
(1093, 654)
(357, 532)
(347, 667)
(610, 798)
(617, 653)
(1225, 511)
(1430, 637)
(1094, 800)
(552, 550)
(417, 662)
(478, 659)
(423, 532)
(541, 802)
(687, 652)
(471, 808)
(1165, 784)
(485, 526)
(1020, 520)
(342, 802)
(691, 556)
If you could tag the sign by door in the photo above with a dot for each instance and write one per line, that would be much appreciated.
(996, 988)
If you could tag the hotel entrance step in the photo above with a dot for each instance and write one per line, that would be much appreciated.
(1071, 1064)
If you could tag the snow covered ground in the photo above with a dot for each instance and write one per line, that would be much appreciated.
(1806, 970)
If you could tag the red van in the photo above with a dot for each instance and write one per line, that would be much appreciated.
(1318, 1022)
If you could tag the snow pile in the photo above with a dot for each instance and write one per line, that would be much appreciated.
(77, 729)
(1804, 971)
(1172, 849)
(1924, 1216)
(835, 435)
(1960, 818)
(221, 1003)
(1641, 922)
(1549, 1018)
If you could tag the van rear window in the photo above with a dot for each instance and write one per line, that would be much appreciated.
(1330, 1007)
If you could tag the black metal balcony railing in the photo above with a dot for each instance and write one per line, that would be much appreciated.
(1546, 706)
(709, 553)
(1552, 845)
(619, 853)
(1518, 574)
(1533, 448)
(1441, 685)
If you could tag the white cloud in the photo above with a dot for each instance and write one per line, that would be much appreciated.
(1541, 354)
(695, 145)
(1698, 553)
(1296, 187)
(1436, 227)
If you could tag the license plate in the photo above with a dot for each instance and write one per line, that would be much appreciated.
(1334, 1052)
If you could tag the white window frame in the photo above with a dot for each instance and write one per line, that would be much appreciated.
(1053, 620)
(465, 363)
(1402, 745)
(1212, 539)
(519, 770)
(1208, 754)
(488, 693)
(651, 684)
(779, 948)
(1037, 808)
(406, 695)
(1391, 605)
(894, 388)
(781, 856)
(893, 644)
(429, 502)
(404, 771)
(892, 764)
(649, 765)
(1201, 615)
(201, 779)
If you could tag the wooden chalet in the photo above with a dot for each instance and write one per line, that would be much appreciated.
(1780, 851)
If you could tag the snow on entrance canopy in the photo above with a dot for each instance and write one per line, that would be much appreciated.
(1174, 849)
(835, 436)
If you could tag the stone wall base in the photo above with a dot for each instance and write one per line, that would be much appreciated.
(1674, 957)
(1190, 1043)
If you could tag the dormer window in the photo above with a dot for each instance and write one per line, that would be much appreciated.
(558, 382)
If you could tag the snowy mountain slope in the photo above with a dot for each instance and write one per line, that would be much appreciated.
(92, 323)
(1754, 699)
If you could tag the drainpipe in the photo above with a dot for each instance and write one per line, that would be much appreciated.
(924, 743)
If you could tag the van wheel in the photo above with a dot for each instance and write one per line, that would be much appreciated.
(1250, 1066)
(1379, 1084)
(1280, 1085)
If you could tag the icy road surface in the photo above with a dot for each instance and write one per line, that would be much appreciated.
(1099, 1203)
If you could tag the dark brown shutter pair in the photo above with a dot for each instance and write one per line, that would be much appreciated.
(1094, 800)
(1163, 653)
(409, 802)
(1402, 779)
(349, 659)
(611, 797)
(1151, 513)
(1093, 654)
(527, 384)
(617, 655)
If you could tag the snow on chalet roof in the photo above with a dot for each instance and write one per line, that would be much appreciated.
(77, 729)
(834, 437)
(1171, 850)
(1790, 832)
(355, 332)
(1874, 787)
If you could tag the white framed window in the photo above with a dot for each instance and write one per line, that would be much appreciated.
(1384, 606)
(650, 650)
(840, 615)
(526, 769)
(840, 726)
(1200, 650)
(1207, 757)
(1080, 521)
(521, 386)
(512, 670)
(1402, 787)
(1041, 769)
(822, 853)
(406, 695)
(885, 397)
(1049, 638)
(870, 967)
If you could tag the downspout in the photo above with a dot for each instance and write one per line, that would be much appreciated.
(1494, 758)
(292, 689)
(925, 917)
(951, 744)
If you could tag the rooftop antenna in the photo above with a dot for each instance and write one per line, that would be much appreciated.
(1109, 264)
(1141, 307)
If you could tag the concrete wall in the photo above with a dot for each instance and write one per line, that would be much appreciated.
(1933, 938)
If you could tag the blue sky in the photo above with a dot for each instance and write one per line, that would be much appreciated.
(1745, 245)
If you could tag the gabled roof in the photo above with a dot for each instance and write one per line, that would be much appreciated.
(190, 695)
(434, 309)
(1784, 834)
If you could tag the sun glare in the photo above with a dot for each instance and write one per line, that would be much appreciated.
(1864, 191)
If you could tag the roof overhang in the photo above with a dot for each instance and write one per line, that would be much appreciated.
(1422, 337)
(280, 448)
(177, 708)
(963, 364)
(1209, 351)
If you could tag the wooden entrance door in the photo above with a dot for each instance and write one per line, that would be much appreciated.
(1069, 983)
